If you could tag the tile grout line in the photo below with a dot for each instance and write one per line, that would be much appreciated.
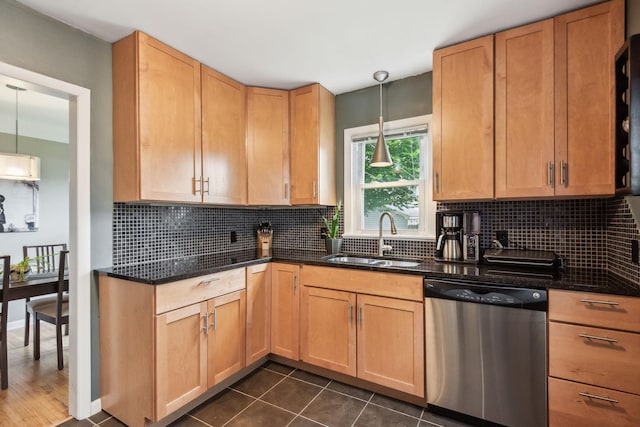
(310, 402)
(198, 419)
(365, 407)
(256, 398)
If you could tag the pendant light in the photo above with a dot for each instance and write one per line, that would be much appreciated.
(22, 167)
(381, 156)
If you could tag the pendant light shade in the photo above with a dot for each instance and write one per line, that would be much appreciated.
(22, 167)
(381, 156)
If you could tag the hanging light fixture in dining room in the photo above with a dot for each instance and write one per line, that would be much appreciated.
(381, 156)
(16, 166)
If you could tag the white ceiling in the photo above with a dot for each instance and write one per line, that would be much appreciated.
(40, 114)
(289, 43)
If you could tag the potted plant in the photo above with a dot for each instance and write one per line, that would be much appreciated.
(333, 242)
(20, 270)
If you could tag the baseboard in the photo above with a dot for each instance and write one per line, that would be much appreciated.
(16, 324)
(96, 406)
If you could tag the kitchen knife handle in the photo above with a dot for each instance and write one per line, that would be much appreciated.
(595, 337)
(593, 396)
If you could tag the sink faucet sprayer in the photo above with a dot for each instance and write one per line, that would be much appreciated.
(381, 246)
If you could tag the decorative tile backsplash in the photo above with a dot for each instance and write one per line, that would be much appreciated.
(589, 233)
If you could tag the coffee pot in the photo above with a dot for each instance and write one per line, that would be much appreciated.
(448, 247)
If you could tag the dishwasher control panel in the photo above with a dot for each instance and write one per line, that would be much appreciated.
(481, 293)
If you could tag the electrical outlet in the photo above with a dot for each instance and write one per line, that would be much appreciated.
(323, 232)
(502, 236)
(234, 237)
(634, 252)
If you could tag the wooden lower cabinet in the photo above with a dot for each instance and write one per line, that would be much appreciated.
(162, 346)
(575, 404)
(181, 357)
(391, 343)
(226, 336)
(372, 337)
(285, 306)
(328, 330)
(594, 355)
(258, 343)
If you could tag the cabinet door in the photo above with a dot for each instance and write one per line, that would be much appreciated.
(328, 332)
(181, 357)
(585, 44)
(391, 343)
(463, 121)
(524, 111)
(224, 157)
(258, 312)
(268, 146)
(285, 305)
(169, 123)
(312, 118)
(227, 318)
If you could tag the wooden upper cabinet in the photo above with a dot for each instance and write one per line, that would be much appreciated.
(156, 122)
(524, 107)
(224, 154)
(585, 44)
(312, 146)
(268, 146)
(463, 121)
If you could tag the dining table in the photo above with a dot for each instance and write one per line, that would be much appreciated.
(32, 286)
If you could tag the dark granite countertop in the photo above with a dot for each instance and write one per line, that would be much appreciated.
(589, 280)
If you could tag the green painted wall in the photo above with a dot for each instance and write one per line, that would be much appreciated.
(633, 17)
(401, 99)
(37, 43)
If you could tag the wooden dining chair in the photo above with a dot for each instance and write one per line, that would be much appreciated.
(46, 264)
(6, 269)
(55, 312)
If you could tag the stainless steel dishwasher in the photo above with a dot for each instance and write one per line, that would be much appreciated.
(486, 354)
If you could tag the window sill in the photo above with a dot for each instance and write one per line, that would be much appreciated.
(389, 236)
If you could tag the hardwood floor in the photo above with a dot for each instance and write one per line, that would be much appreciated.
(38, 393)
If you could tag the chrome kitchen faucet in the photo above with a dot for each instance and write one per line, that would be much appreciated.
(381, 246)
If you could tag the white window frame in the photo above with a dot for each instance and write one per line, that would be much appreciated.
(352, 202)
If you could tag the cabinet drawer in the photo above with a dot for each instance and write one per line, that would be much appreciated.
(607, 311)
(189, 291)
(568, 407)
(402, 286)
(596, 356)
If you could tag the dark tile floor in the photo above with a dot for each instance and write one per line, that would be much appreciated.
(276, 395)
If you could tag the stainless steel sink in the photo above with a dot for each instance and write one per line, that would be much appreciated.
(375, 262)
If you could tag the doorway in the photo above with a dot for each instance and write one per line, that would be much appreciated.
(80, 277)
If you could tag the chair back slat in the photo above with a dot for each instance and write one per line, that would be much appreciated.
(61, 270)
(49, 253)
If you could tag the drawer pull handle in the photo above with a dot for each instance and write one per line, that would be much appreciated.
(208, 281)
(597, 301)
(593, 396)
(594, 337)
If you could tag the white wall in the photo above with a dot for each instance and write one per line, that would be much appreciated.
(54, 201)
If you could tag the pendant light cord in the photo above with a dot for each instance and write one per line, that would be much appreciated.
(16, 120)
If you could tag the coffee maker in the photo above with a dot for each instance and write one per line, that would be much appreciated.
(458, 236)
(265, 236)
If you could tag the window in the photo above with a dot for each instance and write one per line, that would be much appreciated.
(402, 189)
